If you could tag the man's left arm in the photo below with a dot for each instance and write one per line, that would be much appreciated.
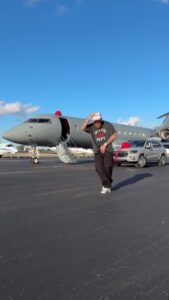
(111, 139)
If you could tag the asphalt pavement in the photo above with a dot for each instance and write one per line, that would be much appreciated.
(61, 240)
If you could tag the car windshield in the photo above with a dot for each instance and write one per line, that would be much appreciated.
(137, 143)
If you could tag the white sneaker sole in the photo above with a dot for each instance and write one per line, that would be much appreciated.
(105, 192)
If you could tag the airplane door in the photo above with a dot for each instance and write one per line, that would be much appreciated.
(65, 129)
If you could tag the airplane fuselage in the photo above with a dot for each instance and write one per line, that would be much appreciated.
(50, 130)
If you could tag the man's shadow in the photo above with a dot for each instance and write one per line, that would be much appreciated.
(132, 180)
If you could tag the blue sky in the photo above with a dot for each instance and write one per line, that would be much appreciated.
(81, 56)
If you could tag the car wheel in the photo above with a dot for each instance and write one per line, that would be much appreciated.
(141, 161)
(162, 161)
(118, 164)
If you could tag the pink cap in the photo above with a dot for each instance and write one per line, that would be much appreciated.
(97, 117)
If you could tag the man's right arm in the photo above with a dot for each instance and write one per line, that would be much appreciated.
(86, 122)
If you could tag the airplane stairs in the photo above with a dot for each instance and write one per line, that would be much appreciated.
(64, 154)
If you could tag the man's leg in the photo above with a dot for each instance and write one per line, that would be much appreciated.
(100, 169)
(108, 166)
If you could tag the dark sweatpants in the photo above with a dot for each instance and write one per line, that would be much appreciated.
(104, 164)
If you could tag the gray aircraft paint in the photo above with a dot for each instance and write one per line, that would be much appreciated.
(65, 128)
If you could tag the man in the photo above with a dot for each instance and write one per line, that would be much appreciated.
(103, 134)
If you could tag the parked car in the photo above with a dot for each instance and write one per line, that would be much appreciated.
(141, 152)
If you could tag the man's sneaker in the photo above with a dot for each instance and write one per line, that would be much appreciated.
(105, 190)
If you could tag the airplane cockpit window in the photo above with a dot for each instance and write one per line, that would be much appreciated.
(44, 121)
(39, 120)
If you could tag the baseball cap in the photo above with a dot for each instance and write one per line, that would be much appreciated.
(97, 117)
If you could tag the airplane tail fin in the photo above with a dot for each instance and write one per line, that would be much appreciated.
(164, 115)
(164, 128)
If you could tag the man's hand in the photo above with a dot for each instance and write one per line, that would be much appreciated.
(91, 115)
(86, 122)
(103, 148)
(112, 138)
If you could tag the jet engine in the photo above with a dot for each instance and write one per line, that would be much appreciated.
(164, 134)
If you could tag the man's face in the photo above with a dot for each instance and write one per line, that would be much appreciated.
(98, 124)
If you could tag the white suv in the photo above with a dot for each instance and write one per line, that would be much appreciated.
(141, 152)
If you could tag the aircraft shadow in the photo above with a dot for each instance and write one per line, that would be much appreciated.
(132, 180)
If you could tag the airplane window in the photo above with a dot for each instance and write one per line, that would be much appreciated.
(31, 121)
(40, 120)
(44, 121)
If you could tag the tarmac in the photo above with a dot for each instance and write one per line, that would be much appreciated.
(61, 240)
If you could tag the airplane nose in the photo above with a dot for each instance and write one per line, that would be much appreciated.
(11, 135)
(15, 135)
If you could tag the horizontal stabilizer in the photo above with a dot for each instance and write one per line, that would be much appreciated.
(162, 116)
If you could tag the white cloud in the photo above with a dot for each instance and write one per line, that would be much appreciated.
(62, 10)
(32, 3)
(132, 121)
(17, 108)
(161, 1)
(164, 1)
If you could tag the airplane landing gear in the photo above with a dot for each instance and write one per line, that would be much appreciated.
(35, 155)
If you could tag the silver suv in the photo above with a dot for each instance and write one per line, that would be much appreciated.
(141, 152)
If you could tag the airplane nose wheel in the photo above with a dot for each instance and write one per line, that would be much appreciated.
(35, 156)
(35, 160)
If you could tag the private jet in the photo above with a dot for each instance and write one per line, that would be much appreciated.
(63, 131)
(7, 149)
